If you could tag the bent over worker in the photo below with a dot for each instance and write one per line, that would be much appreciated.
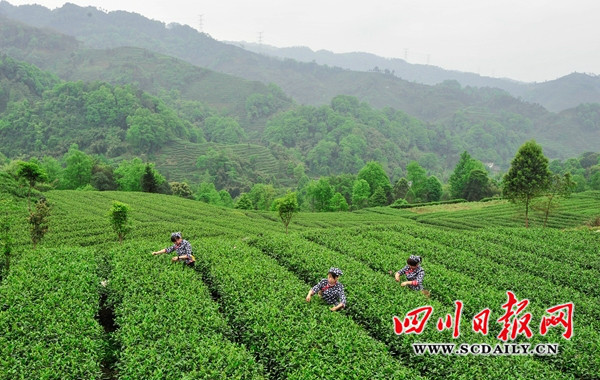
(330, 290)
(183, 249)
(414, 274)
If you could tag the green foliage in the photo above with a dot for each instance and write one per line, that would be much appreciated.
(401, 188)
(119, 219)
(286, 208)
(319, 194)
(223, 130)
(149, 181)
(244, 202)
(360, 194)
(31, 173)
(338, 203)
(375, 176)
(432, 190)
(207, 193)
(263, 105)
(378, 198)
(226, 199)
(103, 177)
(78, 170)
(38, 221)
(558, 187)
(47, 320)
(182, 189)
(129, 175)
(261, 196)
(528, 176)
(477, 185)
(417, 176)
(460, 176)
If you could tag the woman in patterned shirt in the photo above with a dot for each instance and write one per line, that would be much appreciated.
(183, 248)
(330, 290)
(414, 274)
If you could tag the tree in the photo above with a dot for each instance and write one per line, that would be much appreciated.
(417, 176)
(244, 202)
(320, 193)
(400, 189)
(460, 176)
(38, 221)
(558, 187)
(226, 199)
(477, 186)
(207, 193)
(119, 219)
(103, 178)
(287, 207)
(338, 203)
(378, 198)
(528, 176)
(149, 182)
(32, 173)
(360, 194)
(261, 196)
(432, 191)
(129, 175)
(375, 176)
(181, 189)
(78, 171)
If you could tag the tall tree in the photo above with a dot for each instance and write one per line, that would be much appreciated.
(460, 175)
(417, 176)
(375, 176)
(320, 192)
(477, 185)
(149, 182)
(360, 194)
(32, 173)
(432, 191)
(338, 203)
(378, 198)
(78, 171)
(528, 176)
(400, 189)
(38, 221)
(244, 202)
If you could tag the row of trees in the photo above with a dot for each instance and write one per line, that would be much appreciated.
(370, 187)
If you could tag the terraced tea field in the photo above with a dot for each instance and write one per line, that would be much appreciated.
(84, 307)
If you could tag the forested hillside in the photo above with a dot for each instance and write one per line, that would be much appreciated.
(481, 112)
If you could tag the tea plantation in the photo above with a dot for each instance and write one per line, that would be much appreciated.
(83, 306)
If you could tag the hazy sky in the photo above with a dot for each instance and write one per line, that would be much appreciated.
(528, 40)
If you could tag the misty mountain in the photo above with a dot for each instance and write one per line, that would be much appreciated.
(555, 95)
(439, 120)
(308, 83)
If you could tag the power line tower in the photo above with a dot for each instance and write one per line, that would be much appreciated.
(201, 23)
(260, 38)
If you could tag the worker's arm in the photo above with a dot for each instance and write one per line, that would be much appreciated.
(338, 307)
(310, 294)
(342, 303)
(159, 252)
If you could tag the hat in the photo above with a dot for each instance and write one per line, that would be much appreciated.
(176, 235)
(415, 258)
(336, 271)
